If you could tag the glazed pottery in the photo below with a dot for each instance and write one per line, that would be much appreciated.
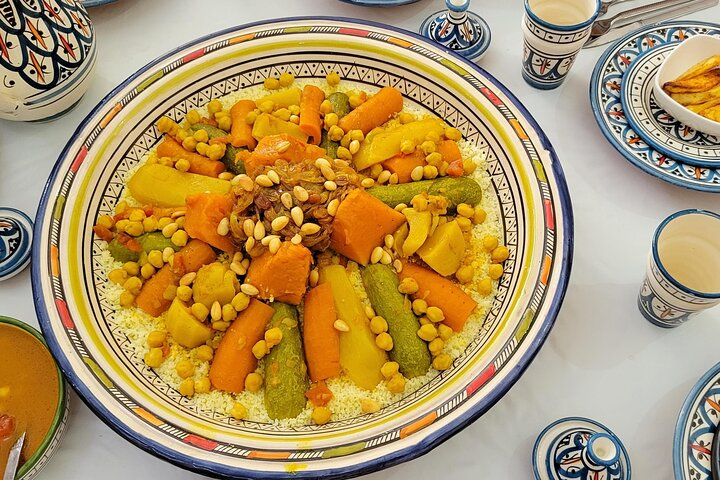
(34, 464)
(695, 439)
(15, 241)
(686, 55)
(554, 31)
(83, 326)
(683, 272)
(606, 102)
(47, 57)
(579, 448)
(655, 126)
(458, 29)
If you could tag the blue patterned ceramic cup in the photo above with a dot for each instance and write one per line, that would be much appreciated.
(554, 31)
(47, 56)
(683, 273)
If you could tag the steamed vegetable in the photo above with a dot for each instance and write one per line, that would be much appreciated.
(403, 164)
(409, 351)
(198, 163)
(360, 224)
(148, 242)
(158, 185)
(214, 283)
(374, 112)
(285, 371)
(185, 329)
(310, 121)
(386, 143)
(320, 338)
(456, 190)
(445, 249)
(267, 125)
(440, 292)
(283, 99)
(229, 159)
(341, 107)
(276, 147)
(241, 131)
(419, 223)
(204, 213)
(234, 359)
(360, 357)
(282, 275)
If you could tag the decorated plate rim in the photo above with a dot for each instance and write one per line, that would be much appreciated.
(645, 134)
(598, 112)
(684, 417)
(425, 443)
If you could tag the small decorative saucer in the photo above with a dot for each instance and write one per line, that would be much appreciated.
(458, 29)
(576, 448)
(696, 429)
(605, 99)
(15, 241)
(654, 125)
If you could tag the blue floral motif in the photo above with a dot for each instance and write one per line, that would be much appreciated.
(572, 462)
(605, 97)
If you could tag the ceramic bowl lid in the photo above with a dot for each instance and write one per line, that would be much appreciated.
(579, 448)
(15, 241)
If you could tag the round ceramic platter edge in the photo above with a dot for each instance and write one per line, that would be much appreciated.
(695, 429)
(605, 84)
(655, 126)
(424, 437)
(96, 3)
(379, 3)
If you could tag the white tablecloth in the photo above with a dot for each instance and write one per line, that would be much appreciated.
(602, 359)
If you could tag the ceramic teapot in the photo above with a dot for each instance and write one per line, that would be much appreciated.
(47, 57)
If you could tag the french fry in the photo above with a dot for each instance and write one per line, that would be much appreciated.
(701, 67)
(695, 84)
(699, 107)
(713, 113)
(697, 98)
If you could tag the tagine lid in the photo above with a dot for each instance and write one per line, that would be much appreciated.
(15, 241)
(579, 448)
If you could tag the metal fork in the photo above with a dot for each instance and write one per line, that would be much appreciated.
(604, 6)
(601, 27)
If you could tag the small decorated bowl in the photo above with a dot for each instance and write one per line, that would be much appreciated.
(47, 57)
(687, 54)
(33, 397)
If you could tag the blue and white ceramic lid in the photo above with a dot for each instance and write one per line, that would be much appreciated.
(576, 448)
(458, 29)
(15, 241)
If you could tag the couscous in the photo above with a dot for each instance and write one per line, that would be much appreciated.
(303, 253)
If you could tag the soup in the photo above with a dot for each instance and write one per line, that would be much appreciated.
(29, 392)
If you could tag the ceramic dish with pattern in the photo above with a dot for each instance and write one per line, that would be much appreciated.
(606, 102)
(380, 3)
(654, 125)
(696, 427)
(89, 176)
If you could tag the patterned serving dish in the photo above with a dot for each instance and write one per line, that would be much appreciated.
(696, 429)
(607, 105)
(80, 324)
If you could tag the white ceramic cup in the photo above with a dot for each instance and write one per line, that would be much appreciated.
(554, 31)
(683, 272)
(47, 57)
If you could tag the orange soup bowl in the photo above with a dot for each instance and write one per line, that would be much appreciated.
(33, 397)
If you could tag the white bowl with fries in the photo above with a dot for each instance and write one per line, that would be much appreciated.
(687, 85)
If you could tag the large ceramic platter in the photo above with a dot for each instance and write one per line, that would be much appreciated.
(696, 428)
(606, 102)
(81, 326)
(655, 126)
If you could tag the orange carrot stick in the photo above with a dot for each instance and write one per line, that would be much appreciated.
(241, 131)
(403, 164)
(440, 292)
(234, 358)
(320, 338)
(198, 163)
(373, 113)
(191, 257)
(310, 121)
